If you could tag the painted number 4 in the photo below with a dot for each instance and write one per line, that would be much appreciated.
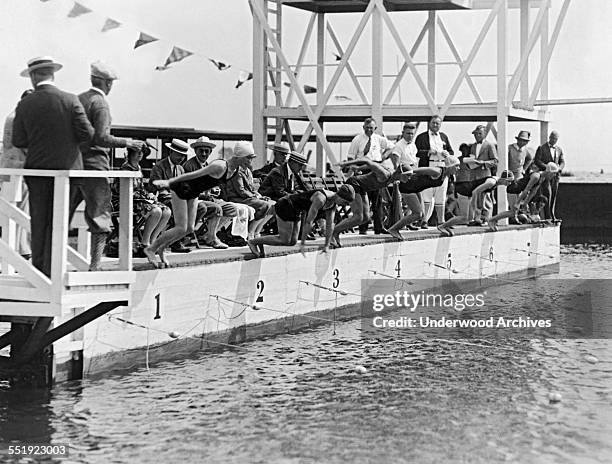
(398, 268)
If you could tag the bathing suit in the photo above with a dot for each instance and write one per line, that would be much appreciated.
(466, 188)
(365, 183)
(291, 206)
(190, 189)
(417, 183)
(518, 186)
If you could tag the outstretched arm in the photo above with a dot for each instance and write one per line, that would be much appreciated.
(215, 170)
(317, 202)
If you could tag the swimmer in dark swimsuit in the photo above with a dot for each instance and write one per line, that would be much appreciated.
(289, 210)
(185, 190)
(526, 187)
(379, 177)
(422, 178)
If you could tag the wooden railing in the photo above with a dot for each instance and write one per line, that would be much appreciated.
(40, 286)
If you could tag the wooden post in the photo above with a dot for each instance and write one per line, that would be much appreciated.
(260, 131)
(10, 191)
(126, 223)
(502, 97)
(431, 54)
(321, 159)
(524, 50)
(59, 241)
(544, 125)
(377, 65)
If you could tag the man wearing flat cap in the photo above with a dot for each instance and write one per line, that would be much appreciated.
(280, 151)
(96, 191)
(285, 179)
(51, 124)
(519, 161)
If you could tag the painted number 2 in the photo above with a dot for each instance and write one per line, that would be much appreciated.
(336, 275)
(260, 287)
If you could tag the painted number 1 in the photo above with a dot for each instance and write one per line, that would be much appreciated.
(157, 305)
(260, 287)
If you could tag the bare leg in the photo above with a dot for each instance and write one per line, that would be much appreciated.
(162, 224)
(287, 236)
(152, 221)
(413, 202)
(360, 213)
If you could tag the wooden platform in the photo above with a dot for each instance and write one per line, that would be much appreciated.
(355, 6)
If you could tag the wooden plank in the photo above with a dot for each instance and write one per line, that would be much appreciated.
(28, 309)
(59, 245)
(23, 292)
(99, 278)
(10, 210)
(25, 268)
(69, 173)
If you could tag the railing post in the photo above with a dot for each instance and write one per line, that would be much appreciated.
(59, 241)
(126, 191)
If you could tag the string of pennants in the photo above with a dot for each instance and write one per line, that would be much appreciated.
(178, 54)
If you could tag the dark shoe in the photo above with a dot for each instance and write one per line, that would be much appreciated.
(424, 226)
(412, 227)
(382, 231)
(475, 224)
(311, 236)
(513, 221)
(363, 232)
(138, 252)
(180, 249)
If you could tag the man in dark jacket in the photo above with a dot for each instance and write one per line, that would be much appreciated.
(285, 179)
(50, 124)
(547, 153)
(432, 147)
(279, 153)
(96, 190)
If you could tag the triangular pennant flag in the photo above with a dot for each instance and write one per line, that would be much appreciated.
(287, 84)
(338, 57)
(78, 10)
(243, 77)
(342, 98)
(177, 54)
(309, 89)
(161, 68)
(220, 65)
(144, 39)
(110, 24)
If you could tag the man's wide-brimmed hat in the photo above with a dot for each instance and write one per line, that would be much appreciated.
(479, 128)
(103, 71)
(203, 142)
(524, 135)
(298, 158)
(40, 63)
(280, 147)
(178, 146)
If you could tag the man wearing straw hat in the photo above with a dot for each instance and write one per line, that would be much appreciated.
(96, 192)
(51, 124)
(285, 179)
(280, 151)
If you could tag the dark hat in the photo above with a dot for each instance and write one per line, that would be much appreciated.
(178, 146)
(103, 71)
(524, 135)
(478, 128)
(297, 158)
(346, 192)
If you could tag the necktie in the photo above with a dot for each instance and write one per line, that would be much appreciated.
(174, 170)
(291, 183)
(366, 149)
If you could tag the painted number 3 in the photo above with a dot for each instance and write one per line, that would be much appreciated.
(336, 275)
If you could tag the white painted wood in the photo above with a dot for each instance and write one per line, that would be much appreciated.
(302, 55)
(259, 93)
(398, 40)
(126, 223)
(321, 49)
(431, 53)
(526, 50)
(25, 268)
(59, 245)
(404, 68)
(470, 59)
(545, 60)
(502, 99)
(68, 173)
(544, 125)
(377, 65)
(524, 37)
(15, 287)
(27, 309)
(99, 278)
(349, 68)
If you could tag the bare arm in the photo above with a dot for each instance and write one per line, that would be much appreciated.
(317, 202)
(215, 170)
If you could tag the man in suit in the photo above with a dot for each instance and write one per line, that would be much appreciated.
(550, 152)
(484, 161)
(167, 168)
(433, 147)
(285, 179)
(50, 124)
(96, 191)
(279, 153)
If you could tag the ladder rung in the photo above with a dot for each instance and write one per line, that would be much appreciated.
(271, 10)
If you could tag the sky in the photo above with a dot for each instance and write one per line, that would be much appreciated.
(194, 94)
